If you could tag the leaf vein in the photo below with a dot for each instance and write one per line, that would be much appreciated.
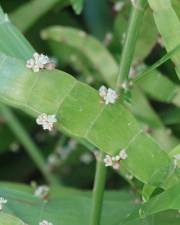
(69, 92)
(94, 121)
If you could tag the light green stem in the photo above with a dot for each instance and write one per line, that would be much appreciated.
(126, 60)
(98, 191)
(28, 144)
(130, 41)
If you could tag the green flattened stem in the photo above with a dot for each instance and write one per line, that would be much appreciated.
(98, 191)
(130, 41)
(28, 144)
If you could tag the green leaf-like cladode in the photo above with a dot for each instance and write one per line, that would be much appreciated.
(81, 113)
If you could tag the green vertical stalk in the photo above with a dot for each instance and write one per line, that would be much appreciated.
(26, 141)
(98, 191)
(126, 60)
(130, 41)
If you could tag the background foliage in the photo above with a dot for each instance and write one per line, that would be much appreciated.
(86, 39)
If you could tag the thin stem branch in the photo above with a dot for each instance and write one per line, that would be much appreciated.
(158, 63)
(28, 144)
(98, 191)
(130, 42)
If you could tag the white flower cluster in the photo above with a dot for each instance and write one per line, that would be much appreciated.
(42, 191)
(108, 95)
(39, 62)
(46, 121)
(114, 161)
(45, 222)
(2, 202)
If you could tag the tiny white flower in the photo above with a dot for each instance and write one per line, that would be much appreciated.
(36, 56)
(116, 166)
(39, 61)
(45, 222)
(108, 95)
(2, 202)
(42, 191)
(42, 60)
(47, 121)
(36, 68)
(50, 66)
(117, 158)
(41, 119)
(114, 161)
(103, 91)
(52, 118)
(123, 155)
(118, 6)
(113, 158)
(108, 160)
(30, 63)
